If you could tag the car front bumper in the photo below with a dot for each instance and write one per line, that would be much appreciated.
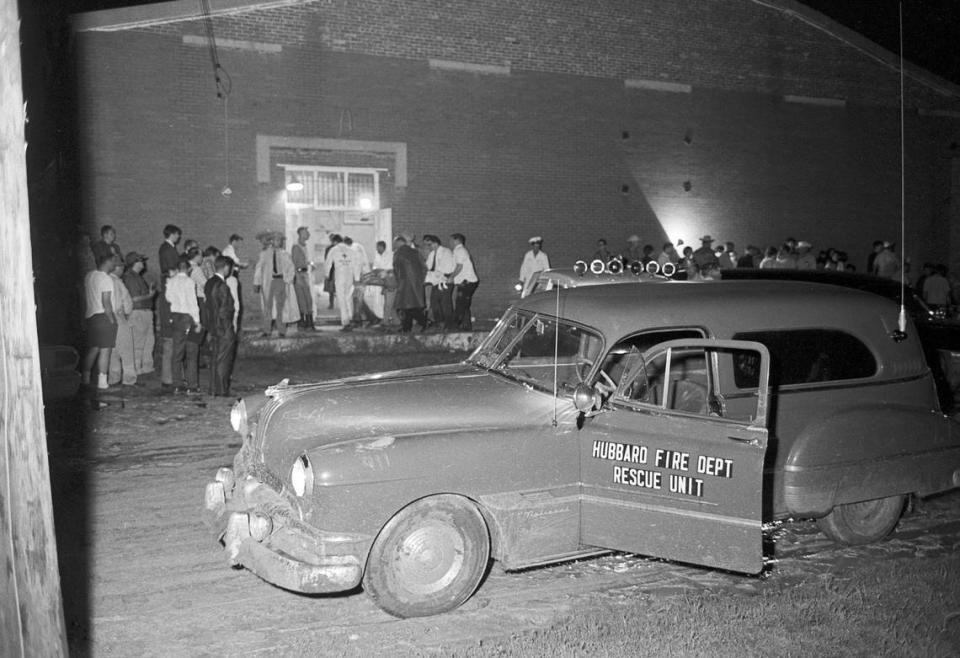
(261, 530)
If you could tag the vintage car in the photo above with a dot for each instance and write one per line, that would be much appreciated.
(667, 420)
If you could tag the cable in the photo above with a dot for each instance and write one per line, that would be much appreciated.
(226, 149)
(224, 85)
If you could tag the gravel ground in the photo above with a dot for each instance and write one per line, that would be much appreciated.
(141, 575)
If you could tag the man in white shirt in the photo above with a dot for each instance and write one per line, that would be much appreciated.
(343, 264)
(936, 288)
(440, 265)
(464, 277)
(273, 272)
(99, 320)
(122, 365)
(181, 293)
(381, 298)
(230, 251)
(806, 260)
(534, 262)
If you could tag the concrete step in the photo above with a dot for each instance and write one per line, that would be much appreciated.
(329, 339)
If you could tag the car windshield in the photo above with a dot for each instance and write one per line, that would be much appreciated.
(540, 351)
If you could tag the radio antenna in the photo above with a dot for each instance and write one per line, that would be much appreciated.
(556, 350)
(902, 319)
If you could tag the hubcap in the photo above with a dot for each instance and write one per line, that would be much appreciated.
(865, 512)
(430, 558)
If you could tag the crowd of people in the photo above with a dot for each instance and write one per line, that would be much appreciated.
(192, 301)
(191, 305)
(432, 286)
(933, 282)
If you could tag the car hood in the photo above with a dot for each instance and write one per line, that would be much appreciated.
(452, 399)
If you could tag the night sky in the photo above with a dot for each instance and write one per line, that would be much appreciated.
(931, 29)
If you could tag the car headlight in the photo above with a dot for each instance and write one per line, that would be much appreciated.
(301, 476)
(260, 526)
(238, 417)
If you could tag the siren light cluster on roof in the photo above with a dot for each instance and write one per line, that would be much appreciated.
(616, 266)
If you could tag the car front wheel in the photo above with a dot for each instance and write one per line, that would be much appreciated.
(429, 558)
(862, 523)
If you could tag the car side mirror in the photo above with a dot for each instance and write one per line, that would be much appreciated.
(585, 398)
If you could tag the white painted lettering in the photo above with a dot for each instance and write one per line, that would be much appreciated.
(715, 466)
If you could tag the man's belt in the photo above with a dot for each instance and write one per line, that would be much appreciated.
(303, 269)
(277, 276)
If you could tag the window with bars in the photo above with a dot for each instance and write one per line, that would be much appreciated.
(330, 188)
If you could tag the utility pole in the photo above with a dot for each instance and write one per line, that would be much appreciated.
(31, 608)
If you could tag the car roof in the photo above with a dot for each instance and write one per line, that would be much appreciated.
(877, 285)
(723, 308)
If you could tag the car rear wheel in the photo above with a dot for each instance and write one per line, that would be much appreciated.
(429, 558)
(862, 523)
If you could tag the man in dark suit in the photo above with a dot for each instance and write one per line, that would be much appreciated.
(219, 322)
(168, 261)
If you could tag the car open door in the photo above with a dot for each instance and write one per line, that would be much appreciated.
(666, 470)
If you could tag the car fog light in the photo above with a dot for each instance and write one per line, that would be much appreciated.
(238, 417)
(260, 526)
(301, 476)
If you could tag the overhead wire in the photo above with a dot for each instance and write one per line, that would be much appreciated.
(224, 85)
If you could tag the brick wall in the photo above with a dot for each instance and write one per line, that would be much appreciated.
(559, 146)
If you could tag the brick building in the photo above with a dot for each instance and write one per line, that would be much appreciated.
(750, 120)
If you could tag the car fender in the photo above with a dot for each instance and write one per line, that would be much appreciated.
(863, 453)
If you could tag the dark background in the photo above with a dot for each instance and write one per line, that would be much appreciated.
(931, 28)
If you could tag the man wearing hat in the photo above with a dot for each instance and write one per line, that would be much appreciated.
(704, 258)
(534, 262)
(141, 318)
(805, 258)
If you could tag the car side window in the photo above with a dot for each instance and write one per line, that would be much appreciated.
(680, 383)
(806, 356)
(692, 380)
(626, 352)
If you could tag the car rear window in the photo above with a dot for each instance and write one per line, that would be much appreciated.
(805, 356)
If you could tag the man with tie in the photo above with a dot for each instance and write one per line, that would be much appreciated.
(220, 330)
(273, 272)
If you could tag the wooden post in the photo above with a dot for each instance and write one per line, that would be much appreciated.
(31, 610)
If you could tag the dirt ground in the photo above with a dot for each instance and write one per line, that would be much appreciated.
(142, 576)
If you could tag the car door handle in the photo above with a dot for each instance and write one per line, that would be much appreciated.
(740, 439)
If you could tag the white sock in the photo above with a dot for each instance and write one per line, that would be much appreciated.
(102, 381)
